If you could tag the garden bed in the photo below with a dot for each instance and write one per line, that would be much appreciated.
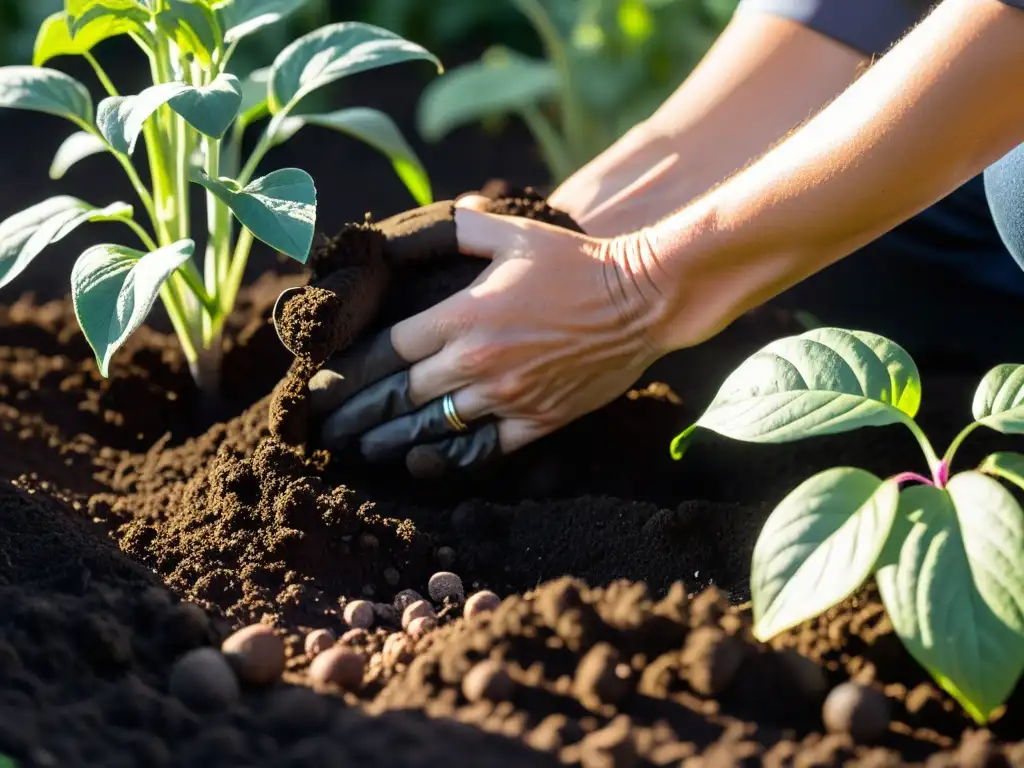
(133, 533)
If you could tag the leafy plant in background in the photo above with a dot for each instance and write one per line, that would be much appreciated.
(946, 551)
(609, 64)
(192, 121)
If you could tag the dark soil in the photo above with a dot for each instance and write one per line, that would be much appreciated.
(136, 538)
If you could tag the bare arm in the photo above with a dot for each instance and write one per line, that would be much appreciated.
(764, 76)
(935, 111)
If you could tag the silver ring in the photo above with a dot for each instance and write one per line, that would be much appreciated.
(451, 415)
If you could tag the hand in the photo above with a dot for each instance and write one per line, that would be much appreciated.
(558, 325)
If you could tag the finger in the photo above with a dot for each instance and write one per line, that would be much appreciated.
(515, 434)
(489, 235)
(378, 403)
(345, 374)
(429, 424)
(421, 234)
(471, 450)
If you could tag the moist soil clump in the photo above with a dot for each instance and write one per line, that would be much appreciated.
(117, 509)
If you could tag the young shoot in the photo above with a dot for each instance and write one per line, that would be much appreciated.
(192, 120)
(946, 549)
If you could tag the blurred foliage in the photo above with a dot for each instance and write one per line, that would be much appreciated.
(19, 22)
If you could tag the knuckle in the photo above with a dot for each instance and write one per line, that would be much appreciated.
(509, 389)
(473, 360)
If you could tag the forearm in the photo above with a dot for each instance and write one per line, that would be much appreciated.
(931, 114)
(763, 76)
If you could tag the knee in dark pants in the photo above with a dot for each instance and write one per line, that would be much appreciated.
(1004, 188)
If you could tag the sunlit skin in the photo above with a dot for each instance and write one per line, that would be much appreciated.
(560, 324)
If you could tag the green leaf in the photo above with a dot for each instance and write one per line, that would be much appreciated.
(114, 289)
(96, 20)
(374, 128)
(54, 37)
(1006, 465)
(76, 147)
(822, 382)
(951, 581)
(279, 208)
(210, 110)
(333, 52)
(999, 400)
(254, 97)
(194, 26)
(24, 235)
(38, 89)
(500, 83)
(241, 18)
(818, 546)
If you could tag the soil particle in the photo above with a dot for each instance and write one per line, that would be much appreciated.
(445, 586)
(712, 660)
(256, 653)
(480, 603)
(359, 614)
(858, 710)
(488, 681)
(338, 666)
(203, 678)
(318, 641)
(418, 610)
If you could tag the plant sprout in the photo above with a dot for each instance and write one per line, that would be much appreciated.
(946, 550)
(192, 121)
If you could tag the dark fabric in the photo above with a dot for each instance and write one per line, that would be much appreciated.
(345, 374)
(1004, 188)
(387, 399)
(392, 439)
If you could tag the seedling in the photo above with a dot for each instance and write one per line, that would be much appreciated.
(192, 121)
(946, 551)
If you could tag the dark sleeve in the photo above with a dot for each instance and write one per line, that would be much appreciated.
(870, 26)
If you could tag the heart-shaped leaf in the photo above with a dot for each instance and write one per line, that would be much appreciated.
(76, 147)
(333, 52)
(952, 579)
(194, 26)
(279, 208)
(24, 235)
(1006, 465)
(241, 18)
(822, 382)
(114, 289)
(374, 128)
(999, 399)
(210, 110)
(500, 83)
(100, 19)
(818, 546)
(39, 89)
(54, 36)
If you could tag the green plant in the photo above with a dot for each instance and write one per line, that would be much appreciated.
(609, 64)
(946, 551)
(192, 121)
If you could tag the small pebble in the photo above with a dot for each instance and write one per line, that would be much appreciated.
(446, 586)
(338, 666)
(859, 710)
(357, 635)
(318, 641)
(481, 602)
(203, 678)
(445, 557)
(415, 611)
(398, 648)
(256, 653)
(488, 680)
(359, 614)
(421, 626)
(391, 576)
(405, 598)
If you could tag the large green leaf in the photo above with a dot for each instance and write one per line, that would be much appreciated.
(78, 146)
(54, 36)
(951, 583)
(818, 546)
(209, 109)
(999, 399)
(98, 20)
(24, 235)
(45, 90)
(254, 96)
(194, 26)
(502, 82)
(114, 289)
(374, 128)
(1006, 465)
(241, 18)
(279, 208)
(822, 382)
(333, 52)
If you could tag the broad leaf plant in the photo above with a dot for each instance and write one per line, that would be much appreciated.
(192, 120)
(946, 550)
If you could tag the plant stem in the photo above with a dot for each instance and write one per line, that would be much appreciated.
(947, 458)
(552, 146)
(147, 241)
(912, 477)
(258, 152)
(233, 282)
(105, 81)
(934, 463)
(176, 312)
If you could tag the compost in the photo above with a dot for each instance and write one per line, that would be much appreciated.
(137, 539)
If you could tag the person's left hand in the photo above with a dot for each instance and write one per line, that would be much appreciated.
(557, 326)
